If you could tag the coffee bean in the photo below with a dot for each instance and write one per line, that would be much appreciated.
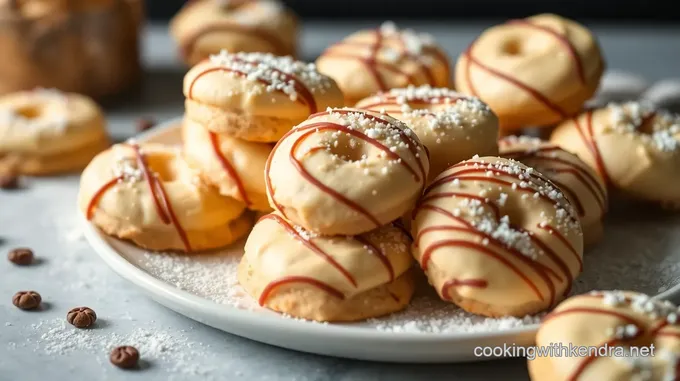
(81, 317)
(125, 357)
(27, 300)
(21, 256)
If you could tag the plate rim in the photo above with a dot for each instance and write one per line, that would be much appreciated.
(159, 288)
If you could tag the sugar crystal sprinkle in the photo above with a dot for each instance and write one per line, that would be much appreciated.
(274, 73)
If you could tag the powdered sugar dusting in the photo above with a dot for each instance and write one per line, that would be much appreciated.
(658, 129)
(275, 73)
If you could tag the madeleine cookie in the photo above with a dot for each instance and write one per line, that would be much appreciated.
(256, 96)
(621, 336)
(346, 171)
(497, 238)
(532, 72)
(204, 27)
(149, 195)
(234, 166)
(633, 147)
(370, 61)
(45, 132)
(293, 271)
(453, 127)
(581, 185)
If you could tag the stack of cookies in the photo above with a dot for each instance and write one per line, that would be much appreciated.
(331, 250)
(237, 107)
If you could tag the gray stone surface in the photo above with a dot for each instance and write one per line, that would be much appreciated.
(34, 346)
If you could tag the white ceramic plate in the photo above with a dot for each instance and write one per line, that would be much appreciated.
(641, 254)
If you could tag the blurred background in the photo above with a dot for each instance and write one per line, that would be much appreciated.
(604, 10)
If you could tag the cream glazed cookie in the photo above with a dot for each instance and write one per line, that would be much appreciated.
(497, 238)
(532, 72)
(581, 185)
(45, 132)
(204, 27)
(370, 61)
(346, 171)
(256, 96)
(234, 166)
(452, 126)
(634, 147)
(622, 325)
(341, 278)
(149, 195)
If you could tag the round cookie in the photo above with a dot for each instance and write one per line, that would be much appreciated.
(635, 148)
(45, 132)
(234, 166)
(370, 61)
(581, 185)
(497, 238)
(532, 72)
(453, 127)
(149, 195)
(204, 27)
(346, 171)
(293, 271)
(256, 96)
(628, 336)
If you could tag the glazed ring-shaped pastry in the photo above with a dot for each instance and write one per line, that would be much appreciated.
(453, 127)
(370, 61)
(46, 132)
(256, 96)
(234, 166)
(149, 195)
(581, 185)
(346, 171)
(204, 27)
(497, 238)
(293, 271)
(635, 148)
(625, 335)
(532, 72)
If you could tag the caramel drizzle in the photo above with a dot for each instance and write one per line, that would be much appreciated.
(476, 283)
(327, 257)
(187, 45)
(374, 65)
(542, 270)
(537, 95)
(163, 206)
(580, 173)
(231, 171)
(305, 94)
(310, 129)
(387, 100)
(587, 134)
(583, 365)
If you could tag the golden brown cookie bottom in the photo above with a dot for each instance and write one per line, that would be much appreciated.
(308, 302)
(169, 240)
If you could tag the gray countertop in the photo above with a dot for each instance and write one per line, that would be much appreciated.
(38, 346)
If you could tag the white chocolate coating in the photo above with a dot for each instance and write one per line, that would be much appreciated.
(620, 320)
(452, 126)
(632, 146)
(234, 166)
(497, 238)
(581, 185)
(204, 27)
(256, 96)
(149, 194)
(336, 278)
(370, 61)
(346, 171)
(532, 72)
(47, 131)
